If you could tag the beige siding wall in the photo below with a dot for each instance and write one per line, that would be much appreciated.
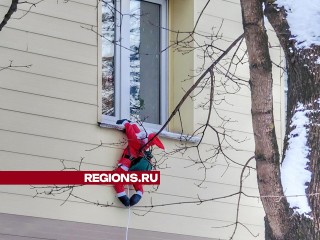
(49, 113)
(225, 17)
(181, 65)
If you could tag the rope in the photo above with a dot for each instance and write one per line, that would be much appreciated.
(129, 216)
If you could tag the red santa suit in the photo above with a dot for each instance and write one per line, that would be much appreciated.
(136, 140)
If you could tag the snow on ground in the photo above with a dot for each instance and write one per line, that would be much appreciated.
(304, 20)
(294, 175)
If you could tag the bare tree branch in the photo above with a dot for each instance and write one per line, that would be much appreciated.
(191, 89)
(12, 9)
(12, 66)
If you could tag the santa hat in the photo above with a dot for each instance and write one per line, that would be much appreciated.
(154, 141)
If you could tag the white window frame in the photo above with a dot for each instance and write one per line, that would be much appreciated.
(122, 64)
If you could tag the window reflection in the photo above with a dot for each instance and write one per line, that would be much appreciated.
(108, 80)
(143, 41)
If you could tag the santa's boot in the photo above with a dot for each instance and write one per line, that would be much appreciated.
(125, 200)
(135, 198)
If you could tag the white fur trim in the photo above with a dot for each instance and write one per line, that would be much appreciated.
(139, 193)
(124, 167)
(124, 123)
(121, 194)
(141, 135)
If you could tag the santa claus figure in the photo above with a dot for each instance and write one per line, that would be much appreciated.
(136, 156)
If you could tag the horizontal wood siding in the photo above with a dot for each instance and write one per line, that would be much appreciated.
(48, 117)
(39, 228)
(232, 102)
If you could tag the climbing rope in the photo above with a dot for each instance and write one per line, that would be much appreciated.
(129, 216)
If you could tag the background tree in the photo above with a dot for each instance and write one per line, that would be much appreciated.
(286, 218)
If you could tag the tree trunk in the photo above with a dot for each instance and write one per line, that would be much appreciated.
(266, 148)
(304, 87)
(301, 228)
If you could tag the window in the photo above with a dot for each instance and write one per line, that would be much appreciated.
(134, 62)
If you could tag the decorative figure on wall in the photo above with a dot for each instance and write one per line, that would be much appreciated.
(136, 157)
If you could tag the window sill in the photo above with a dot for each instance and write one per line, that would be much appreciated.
(164, 134)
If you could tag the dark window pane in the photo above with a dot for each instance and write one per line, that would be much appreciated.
(145, 61)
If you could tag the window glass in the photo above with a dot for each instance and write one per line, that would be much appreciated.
(145, 30)
(108, 80)
(132, 84)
